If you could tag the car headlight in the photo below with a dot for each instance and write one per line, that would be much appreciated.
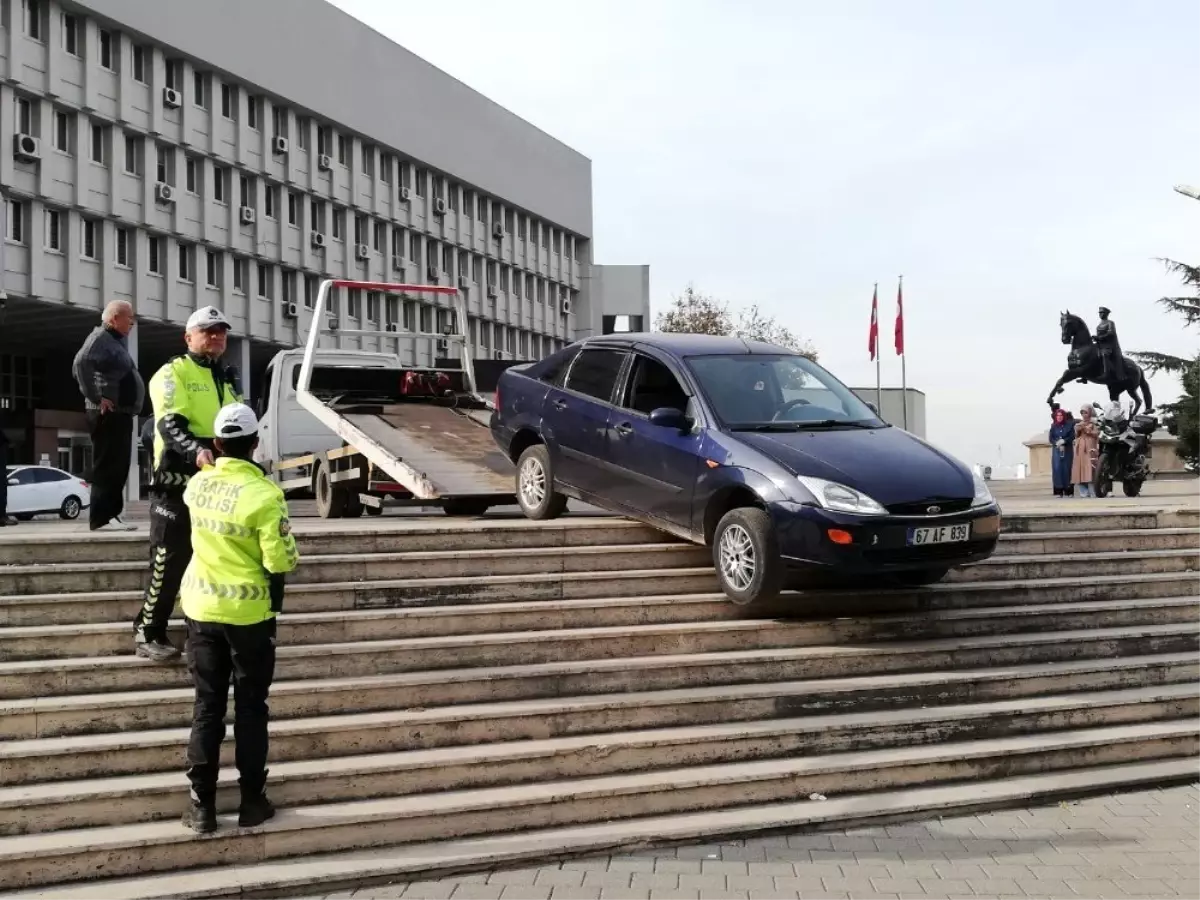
(983, 494)
(831, 495)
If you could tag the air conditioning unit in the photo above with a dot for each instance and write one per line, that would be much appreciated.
(247, 215)
(498, 231)
(439, 207)
(164, 193)
(362, 251)
(404, 194)
(462, 282)
(172, 98)
(334, 324)
(498, 354)
(318, 240)
(398, 267)
(492, 292)
(324, 163)
(290, 310)
(433, 273)
(280, 145)
(392, 327)
(565, 305)
(443, 345)
(26, 147)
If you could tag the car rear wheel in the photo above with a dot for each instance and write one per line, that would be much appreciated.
(535, 485)
(746, 556)
(70, 508)
(921, 577)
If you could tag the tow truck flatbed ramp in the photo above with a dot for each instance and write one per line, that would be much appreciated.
(452, 449)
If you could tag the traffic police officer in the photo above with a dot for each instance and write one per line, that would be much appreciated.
(232, 590)
(186, 393)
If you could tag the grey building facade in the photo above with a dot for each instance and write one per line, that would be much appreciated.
(178, 154)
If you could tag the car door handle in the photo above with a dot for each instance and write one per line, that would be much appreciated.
(560, 404)
(623, 429)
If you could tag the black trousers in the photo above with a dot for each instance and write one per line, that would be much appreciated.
(3, 481)
(170, 552)
(216, 653)
(112, 449)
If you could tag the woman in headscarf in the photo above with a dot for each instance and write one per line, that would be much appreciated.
(1062, 441)
(1087, 443)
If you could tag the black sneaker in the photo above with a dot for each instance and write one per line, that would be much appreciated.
(159, 651)
(255, 812)
(200, 817)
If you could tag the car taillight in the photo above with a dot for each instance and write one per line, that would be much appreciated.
(85, 484)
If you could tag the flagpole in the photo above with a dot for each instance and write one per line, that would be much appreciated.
(878, 354)
(903, 363)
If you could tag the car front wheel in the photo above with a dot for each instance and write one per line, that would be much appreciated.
(535, 485)
(70, 508)
(746, 556)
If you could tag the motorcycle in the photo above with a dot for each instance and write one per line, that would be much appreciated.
(1124, 454)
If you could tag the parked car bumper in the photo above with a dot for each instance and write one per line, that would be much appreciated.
(811, 537)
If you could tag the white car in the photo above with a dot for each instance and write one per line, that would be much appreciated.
(38, 490)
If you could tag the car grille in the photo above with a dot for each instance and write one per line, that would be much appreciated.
(921, 507)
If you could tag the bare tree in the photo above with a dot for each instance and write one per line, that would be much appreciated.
(695, 313)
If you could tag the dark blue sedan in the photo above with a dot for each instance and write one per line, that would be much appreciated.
(746, 447)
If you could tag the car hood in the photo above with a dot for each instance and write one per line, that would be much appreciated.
(887, 464)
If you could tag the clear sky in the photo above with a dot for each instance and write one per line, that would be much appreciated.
(1011, 158)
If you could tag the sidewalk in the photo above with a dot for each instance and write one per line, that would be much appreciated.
(1142, 844)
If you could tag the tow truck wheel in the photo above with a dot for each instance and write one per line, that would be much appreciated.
(331, 502)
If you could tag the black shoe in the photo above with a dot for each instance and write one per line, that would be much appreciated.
(6, 521)
(200, 817)
(255, 812)
(159, 651)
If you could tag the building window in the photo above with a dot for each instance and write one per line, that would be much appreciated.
(481, 208)
(360, 227)
(373, 306)
(154, 263)
(24, 109)
(447, 258)
(316, 215)
(15, 225)
(410, 316)
(241, 274)
(302, 127)
(545, 236)
(420, 186)
(279, 121)
(380, 230)
(343, 148)
(508, 221)
(477, 269)
(174, 71)
(397, 243)
(293, 208)
(220, 184)
(271, 201)
(452, 197)
(70, 32)
(33, 19)
(264, 281)
(200, 89)
(186, 262)
(339, 224)
(516, 284)
(402, 174)
(213, 265)
(54, 230)
(139, 64)
(393, 309)
(311, 285)
(368, 159)
(106, 50)
(87, 236)
(121, 257)
(190, 174)
(62, 131)
(164, 168)
(469, 204)
(252, 112)
(100, 144)
(521, 226)
(324, 140)
(385, 168)
(247, 194)
(133, 154)
(414, 249)
(504, 279)
(354, 304)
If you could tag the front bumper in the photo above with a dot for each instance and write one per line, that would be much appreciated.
(878, 543)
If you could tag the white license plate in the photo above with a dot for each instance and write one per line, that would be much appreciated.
(941, 534)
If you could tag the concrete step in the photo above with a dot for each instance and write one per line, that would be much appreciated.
(76, 855)
(265, 874)
(56, 677)
(318, 537)
(354, 567)
(1079, 565)
(1071, 517)
(1114, 541)
(352, 734)
(57, 716)
(44, 807)
(45, 609)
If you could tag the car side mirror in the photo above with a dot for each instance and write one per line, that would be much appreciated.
(873, 408)
(12, 482)
(668, 417)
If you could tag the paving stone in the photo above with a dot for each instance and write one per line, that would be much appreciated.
(468, 890)
(525, 892)
(571, 892)
(559, 878)
(996, 887)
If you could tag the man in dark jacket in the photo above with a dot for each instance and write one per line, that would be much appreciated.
(113, 392)
(5, 519)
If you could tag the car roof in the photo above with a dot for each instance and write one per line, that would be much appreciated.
(688, 344)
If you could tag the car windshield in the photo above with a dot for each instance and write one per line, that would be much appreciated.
(785, 392)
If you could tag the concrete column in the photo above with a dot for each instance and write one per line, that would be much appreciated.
(133, 482)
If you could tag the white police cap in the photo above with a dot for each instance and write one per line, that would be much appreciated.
(207, 317)
(234, 421)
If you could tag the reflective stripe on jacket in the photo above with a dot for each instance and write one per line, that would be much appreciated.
(240, 535)
(187, 393)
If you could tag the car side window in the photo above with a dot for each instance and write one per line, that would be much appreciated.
(25, 476)
(653, 386)
(49, 475)
(555, 373)
(595, 373)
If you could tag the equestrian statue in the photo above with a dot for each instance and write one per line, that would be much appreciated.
(1099, 360)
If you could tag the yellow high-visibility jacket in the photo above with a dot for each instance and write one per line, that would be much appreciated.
(241, 535)
(187, 393)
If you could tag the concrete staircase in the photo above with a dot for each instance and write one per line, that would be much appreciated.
(546, 690)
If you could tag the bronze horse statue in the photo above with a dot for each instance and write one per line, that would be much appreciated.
(1085, 363)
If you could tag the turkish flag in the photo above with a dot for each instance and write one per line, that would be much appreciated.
(873, 337)
(900, 320)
